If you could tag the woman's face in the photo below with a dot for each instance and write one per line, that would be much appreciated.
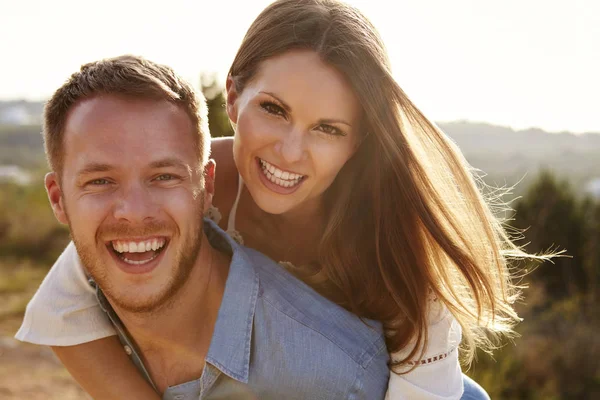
(297, 123)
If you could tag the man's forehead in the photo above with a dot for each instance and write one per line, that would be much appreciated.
(105, 108)
(101, 164)
(110, 129)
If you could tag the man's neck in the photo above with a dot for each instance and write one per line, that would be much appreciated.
(174, 340)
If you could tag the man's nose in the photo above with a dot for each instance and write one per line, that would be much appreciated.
(135, 204)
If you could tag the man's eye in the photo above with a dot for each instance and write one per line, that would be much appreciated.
(98, 182)
(272, 108)
(165, 177)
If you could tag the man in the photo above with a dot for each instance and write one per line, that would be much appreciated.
(201, 316)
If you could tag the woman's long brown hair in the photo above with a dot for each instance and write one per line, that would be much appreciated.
(406, 221)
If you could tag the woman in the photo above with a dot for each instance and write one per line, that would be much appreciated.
(334, 172)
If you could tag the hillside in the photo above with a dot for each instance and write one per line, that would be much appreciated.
(505, 155)
(512, 156)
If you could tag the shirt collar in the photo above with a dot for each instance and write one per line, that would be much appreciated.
(229, 349)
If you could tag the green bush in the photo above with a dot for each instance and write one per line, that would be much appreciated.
(28, 228)
(558, 353)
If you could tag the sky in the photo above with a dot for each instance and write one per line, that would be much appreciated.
(518, 63)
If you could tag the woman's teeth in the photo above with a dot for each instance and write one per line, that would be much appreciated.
(279, 177)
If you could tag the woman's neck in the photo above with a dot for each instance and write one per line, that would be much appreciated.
(292, 236)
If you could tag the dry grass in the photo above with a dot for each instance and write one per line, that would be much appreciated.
(18, 282)
(19, 277)
(27, 371)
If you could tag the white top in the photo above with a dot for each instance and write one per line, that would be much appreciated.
(64, 312)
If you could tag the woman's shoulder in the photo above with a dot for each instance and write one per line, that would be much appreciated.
(221, 145)
(221, 150)
(226, 174)
(444, 334)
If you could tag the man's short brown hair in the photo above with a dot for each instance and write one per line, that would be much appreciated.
(128, 76)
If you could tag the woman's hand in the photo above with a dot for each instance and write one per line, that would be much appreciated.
(104, 370)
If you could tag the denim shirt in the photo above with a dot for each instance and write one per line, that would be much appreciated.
(276, 338)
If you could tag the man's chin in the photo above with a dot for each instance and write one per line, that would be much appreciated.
(142, 287)
(137, 288)
(138, 300)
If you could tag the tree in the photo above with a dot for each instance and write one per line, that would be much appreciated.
(558, 354)
(551, 218)
(218, 121)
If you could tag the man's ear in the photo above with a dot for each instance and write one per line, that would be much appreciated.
(55, 196)
(209, 183)
(232, 96)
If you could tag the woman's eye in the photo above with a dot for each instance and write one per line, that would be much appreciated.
(331, 130)
(272, 108)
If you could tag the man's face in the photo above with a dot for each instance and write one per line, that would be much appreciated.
(132, 193)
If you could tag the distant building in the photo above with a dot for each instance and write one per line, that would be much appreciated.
(593, 188)
(21, 112)
(14, 116)
(13, 173)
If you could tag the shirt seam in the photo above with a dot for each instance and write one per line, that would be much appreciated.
(356, 384)
(67, 341)
(377, 344)
(248, 328)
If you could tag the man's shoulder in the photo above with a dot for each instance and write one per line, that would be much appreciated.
(304, 308)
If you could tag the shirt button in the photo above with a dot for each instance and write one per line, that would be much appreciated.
(128, 350)
(179, 397)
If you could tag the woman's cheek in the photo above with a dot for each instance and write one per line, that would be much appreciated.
(331, 155)
(258, 130)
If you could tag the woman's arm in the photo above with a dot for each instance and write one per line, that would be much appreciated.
(104, 370)
(64, 311)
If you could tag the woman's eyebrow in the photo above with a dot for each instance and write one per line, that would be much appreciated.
(287, 108)
(334, 121)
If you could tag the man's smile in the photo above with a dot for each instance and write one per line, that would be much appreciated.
(137, 255)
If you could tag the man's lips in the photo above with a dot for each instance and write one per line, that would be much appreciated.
(138, 245)
(139, 255)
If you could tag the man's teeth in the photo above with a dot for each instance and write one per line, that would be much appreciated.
(140, 262)
(278, 176)
(138, 247)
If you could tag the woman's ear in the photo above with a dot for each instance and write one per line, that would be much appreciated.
(232, 96)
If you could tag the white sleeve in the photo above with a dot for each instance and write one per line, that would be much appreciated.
(438, 375)
(64, 311)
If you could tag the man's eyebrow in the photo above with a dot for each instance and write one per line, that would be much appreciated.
(170, 162)
(95, 167)
(102, 167)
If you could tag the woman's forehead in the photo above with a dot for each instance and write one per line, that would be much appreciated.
(301, 78)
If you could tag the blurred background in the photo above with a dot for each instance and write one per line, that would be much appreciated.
(515, 83)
